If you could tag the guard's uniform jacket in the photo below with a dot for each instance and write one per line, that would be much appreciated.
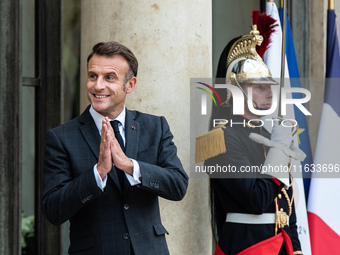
(249, 192)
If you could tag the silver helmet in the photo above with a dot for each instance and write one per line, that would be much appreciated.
(244, 65)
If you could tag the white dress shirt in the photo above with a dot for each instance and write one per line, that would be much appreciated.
(98, 119)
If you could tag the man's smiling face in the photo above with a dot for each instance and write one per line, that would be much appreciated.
(105, 84)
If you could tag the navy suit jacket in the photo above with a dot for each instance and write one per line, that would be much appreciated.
(113, 220)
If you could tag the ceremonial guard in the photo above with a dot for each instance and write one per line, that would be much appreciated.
(254, 210)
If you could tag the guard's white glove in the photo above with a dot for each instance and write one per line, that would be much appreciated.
(282, 134)
(281, 148)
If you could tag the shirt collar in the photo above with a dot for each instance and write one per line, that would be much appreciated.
(98, 118)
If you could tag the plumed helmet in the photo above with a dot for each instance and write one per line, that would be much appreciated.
(244, 64)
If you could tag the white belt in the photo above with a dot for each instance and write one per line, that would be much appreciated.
(244, 218)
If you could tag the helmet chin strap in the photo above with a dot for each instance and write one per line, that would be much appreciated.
(258, 108)
(246, 96)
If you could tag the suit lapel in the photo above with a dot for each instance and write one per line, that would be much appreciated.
(90, 131)
(131, 140)
(91, 135)
(131, 135)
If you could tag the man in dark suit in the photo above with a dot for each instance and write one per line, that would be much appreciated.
(104, 170)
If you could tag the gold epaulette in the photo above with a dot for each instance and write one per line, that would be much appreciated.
(210, 144)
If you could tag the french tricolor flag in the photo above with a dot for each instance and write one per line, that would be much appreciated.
(324, 194)
(272, 58)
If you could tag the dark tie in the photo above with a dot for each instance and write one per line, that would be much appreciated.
(114, 124)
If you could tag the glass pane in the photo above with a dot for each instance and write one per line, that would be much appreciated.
(28, 38)
(28, 163)
(28, 126)
(71, 57)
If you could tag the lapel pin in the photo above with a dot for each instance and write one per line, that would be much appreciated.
(133, 127)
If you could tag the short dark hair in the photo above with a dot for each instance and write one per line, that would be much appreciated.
(114, 48)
